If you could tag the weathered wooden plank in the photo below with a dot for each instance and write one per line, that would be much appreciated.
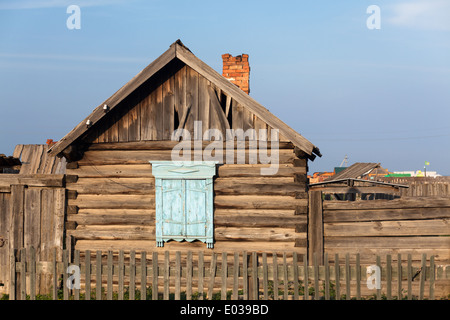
(420, 242)
(148, 233)
(315, 226)
(168, 108)
(87, 281)
(119, 157)
(204, 112)
(169, 145)
(219, 246)
(148, 117)
(17, 216)
(387, 204)
(134, 123)
(191, 99)
(388, 228)
(33, 180)
(119, 201)
(385, 214)
(258, 202)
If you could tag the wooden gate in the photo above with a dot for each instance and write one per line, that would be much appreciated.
(31, 215)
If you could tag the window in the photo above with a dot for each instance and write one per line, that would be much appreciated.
(184, 201)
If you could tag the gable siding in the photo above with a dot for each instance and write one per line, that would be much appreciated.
(155, 115)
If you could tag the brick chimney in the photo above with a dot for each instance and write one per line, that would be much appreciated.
(237, 70)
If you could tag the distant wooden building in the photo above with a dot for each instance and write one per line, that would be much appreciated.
(125, 191)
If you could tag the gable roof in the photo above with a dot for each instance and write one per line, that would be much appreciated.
(355, 171)
(178, 51)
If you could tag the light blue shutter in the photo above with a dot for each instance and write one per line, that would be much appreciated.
(196, 208)
(173, 219)
(184, 201)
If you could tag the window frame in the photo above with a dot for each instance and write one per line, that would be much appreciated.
(184, 170)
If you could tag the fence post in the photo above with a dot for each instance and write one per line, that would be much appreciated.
(315, 226)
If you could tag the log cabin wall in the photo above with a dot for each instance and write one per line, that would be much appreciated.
(111, 194)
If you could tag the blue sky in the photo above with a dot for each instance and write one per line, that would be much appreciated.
(374, 95)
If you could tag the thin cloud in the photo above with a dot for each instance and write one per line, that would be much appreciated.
(422, 14)
(38, 4)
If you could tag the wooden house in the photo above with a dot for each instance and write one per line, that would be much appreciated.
(125, 191)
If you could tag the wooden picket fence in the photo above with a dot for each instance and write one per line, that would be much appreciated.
(210, 275)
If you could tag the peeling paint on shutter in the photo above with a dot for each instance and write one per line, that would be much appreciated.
(184, 201)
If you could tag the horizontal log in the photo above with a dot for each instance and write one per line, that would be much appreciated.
(119, 201)
(132, 201)
(101, 185)
(233, 187)
(104, 157)
(134, 232)
(387, 204)
(388, 228)
(144, 170)
(33, 180)
(169, 145)
(258, 218)
(385, 214)
(222, 218)
(150, 245)
(355, 189)
(419, 242)
(258, 202)
(257, 234)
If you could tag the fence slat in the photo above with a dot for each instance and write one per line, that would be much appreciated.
(409, 278)
(422, 276)
(316, 277)
(201, 274)
(432, 277)
(265, 276)
(347, 277)
(32, 272)
(166, 275)
(177, 275)
(23, 274)
(98, 275)
(285, 277)
(223, 292)
(236, 276)
(212, 275)
(337, 276)
(305, 277)
(143, 275)
(388, 277)
(155, 275)
(76, 262)
(189, 276)
(121, 275)
(295, 266)
(109, 280)
(275, 276)
(65, 257)
(132, 287)
(55, 276)
(327, 277)
(381, 272)
(399, 276)
(87, 285)
(358, 277)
